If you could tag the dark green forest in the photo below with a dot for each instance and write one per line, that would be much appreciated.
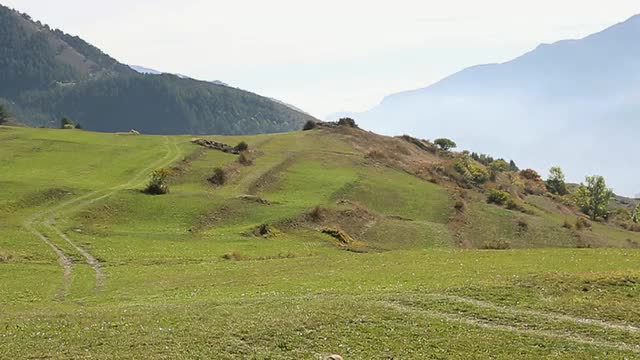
(46, 74)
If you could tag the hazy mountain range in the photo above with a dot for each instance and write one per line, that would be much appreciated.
(46, 74)
(574, 103)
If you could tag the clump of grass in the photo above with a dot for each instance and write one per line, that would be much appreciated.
(219, 177)
(235, 256)
(5, 256)
(459, 205)
(244, 159)
(158, 183)
(499, 244)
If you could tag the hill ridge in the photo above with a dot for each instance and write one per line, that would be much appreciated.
(47, 74)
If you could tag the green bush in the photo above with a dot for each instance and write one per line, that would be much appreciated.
(158, 183)
(348, 122)
(471, 170)
(242, 146)
(498, 197)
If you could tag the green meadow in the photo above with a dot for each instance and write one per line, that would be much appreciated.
(92, 267)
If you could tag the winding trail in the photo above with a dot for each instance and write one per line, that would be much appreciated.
(47, 218)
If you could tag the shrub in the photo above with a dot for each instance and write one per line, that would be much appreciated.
(242, 146)
(512, 204)
(621, 214)
(498, 197)
(68, 126)
(348, 122)
(219, 177)
(445, 144)
(582, 223)
(309, 125)
(499, 166)
(471, 170)
(244, 159)
(78, 126)
(459, 205)
(530, 174)
(158, 183)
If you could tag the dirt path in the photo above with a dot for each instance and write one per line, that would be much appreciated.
(48, 218)
(468, 320)
(537, 313)
(64, 261)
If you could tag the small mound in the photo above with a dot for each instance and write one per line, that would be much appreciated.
(339, 235)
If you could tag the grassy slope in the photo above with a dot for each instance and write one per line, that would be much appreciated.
(169, 293)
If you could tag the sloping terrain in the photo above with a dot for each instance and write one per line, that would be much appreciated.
(547, 107)
(333, 240)
(46, 74)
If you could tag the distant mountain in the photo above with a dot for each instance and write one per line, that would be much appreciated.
(46, 74)
(575, 103)
(144, 70)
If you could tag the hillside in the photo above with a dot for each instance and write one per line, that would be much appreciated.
(46, 74)
(334, 240)
(560, 102)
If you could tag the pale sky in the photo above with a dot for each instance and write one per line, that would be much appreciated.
(323, 56)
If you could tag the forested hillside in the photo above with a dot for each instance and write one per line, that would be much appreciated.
(46, 74)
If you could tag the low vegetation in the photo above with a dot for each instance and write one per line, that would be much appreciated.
(245, 271)
(472, 171)
(498, 197)
(158, 182)
(219, 177)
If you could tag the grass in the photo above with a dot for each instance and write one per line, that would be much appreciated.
(187, 278)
